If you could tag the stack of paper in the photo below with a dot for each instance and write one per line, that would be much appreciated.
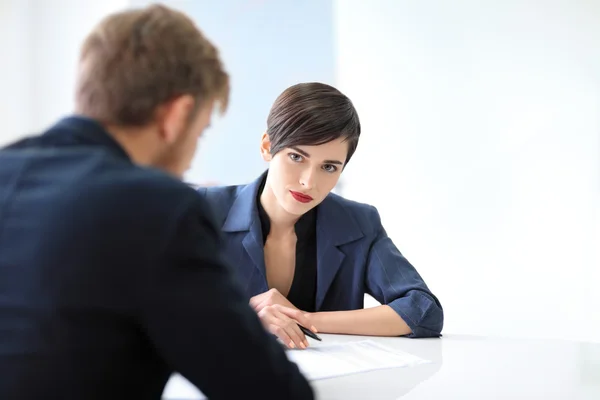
(331, 360)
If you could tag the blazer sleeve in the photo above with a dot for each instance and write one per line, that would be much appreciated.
(393, 281)
(199, 322)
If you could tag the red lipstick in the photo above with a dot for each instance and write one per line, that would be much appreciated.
(302, 198)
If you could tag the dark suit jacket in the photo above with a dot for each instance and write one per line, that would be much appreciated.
(354, 256)
(111, 279)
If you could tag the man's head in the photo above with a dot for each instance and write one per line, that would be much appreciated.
(151, 78)
(312, 132)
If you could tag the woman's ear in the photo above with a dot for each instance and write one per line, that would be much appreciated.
(265, 147)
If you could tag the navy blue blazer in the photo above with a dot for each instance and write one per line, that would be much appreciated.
(354, 256)
(111, 279)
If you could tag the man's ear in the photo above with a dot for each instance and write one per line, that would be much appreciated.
(174, 117)
(265, 147)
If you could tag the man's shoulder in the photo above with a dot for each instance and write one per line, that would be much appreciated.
(140, 201)
(142, 187)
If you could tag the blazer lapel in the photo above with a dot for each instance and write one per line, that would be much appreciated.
(335, 227)
(253, 245)
(243, 217)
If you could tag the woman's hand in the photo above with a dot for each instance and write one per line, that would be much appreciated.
(283, 322)
(270, 298)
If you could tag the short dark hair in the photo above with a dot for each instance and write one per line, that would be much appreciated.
(310, 114)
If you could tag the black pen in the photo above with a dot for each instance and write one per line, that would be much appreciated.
(309, 333)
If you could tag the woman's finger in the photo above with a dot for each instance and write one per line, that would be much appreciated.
(290, 326)
(297, 315)
(281, 333)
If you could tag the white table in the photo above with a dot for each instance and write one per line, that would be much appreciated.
(469, 367)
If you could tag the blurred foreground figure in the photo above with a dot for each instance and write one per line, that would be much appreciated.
(111, 274)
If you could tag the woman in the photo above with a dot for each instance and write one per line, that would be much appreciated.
(304, 254)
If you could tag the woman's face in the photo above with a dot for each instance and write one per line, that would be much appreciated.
(301, 177)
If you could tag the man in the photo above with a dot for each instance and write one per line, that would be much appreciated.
(111, 275)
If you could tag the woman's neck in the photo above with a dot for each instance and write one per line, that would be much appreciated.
(280, 220)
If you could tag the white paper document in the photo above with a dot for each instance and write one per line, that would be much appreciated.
(324, 361)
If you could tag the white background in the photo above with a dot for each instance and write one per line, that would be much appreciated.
(480, 144)
(481, 152)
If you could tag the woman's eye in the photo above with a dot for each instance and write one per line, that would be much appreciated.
(295, 157)
(329, 168)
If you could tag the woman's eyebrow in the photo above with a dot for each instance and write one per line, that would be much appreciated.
(305, 154)
(302, 152)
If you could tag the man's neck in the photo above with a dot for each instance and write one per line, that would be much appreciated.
(137, 143)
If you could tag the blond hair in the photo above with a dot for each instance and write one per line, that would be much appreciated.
(136, 60)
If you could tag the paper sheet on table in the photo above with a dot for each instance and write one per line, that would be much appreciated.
(332, 360)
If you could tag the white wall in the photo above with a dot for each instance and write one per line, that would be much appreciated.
(41, 41)
(481, 151)
(15, 87)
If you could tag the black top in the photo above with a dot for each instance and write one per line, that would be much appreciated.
(112, 278)
(304, 285)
